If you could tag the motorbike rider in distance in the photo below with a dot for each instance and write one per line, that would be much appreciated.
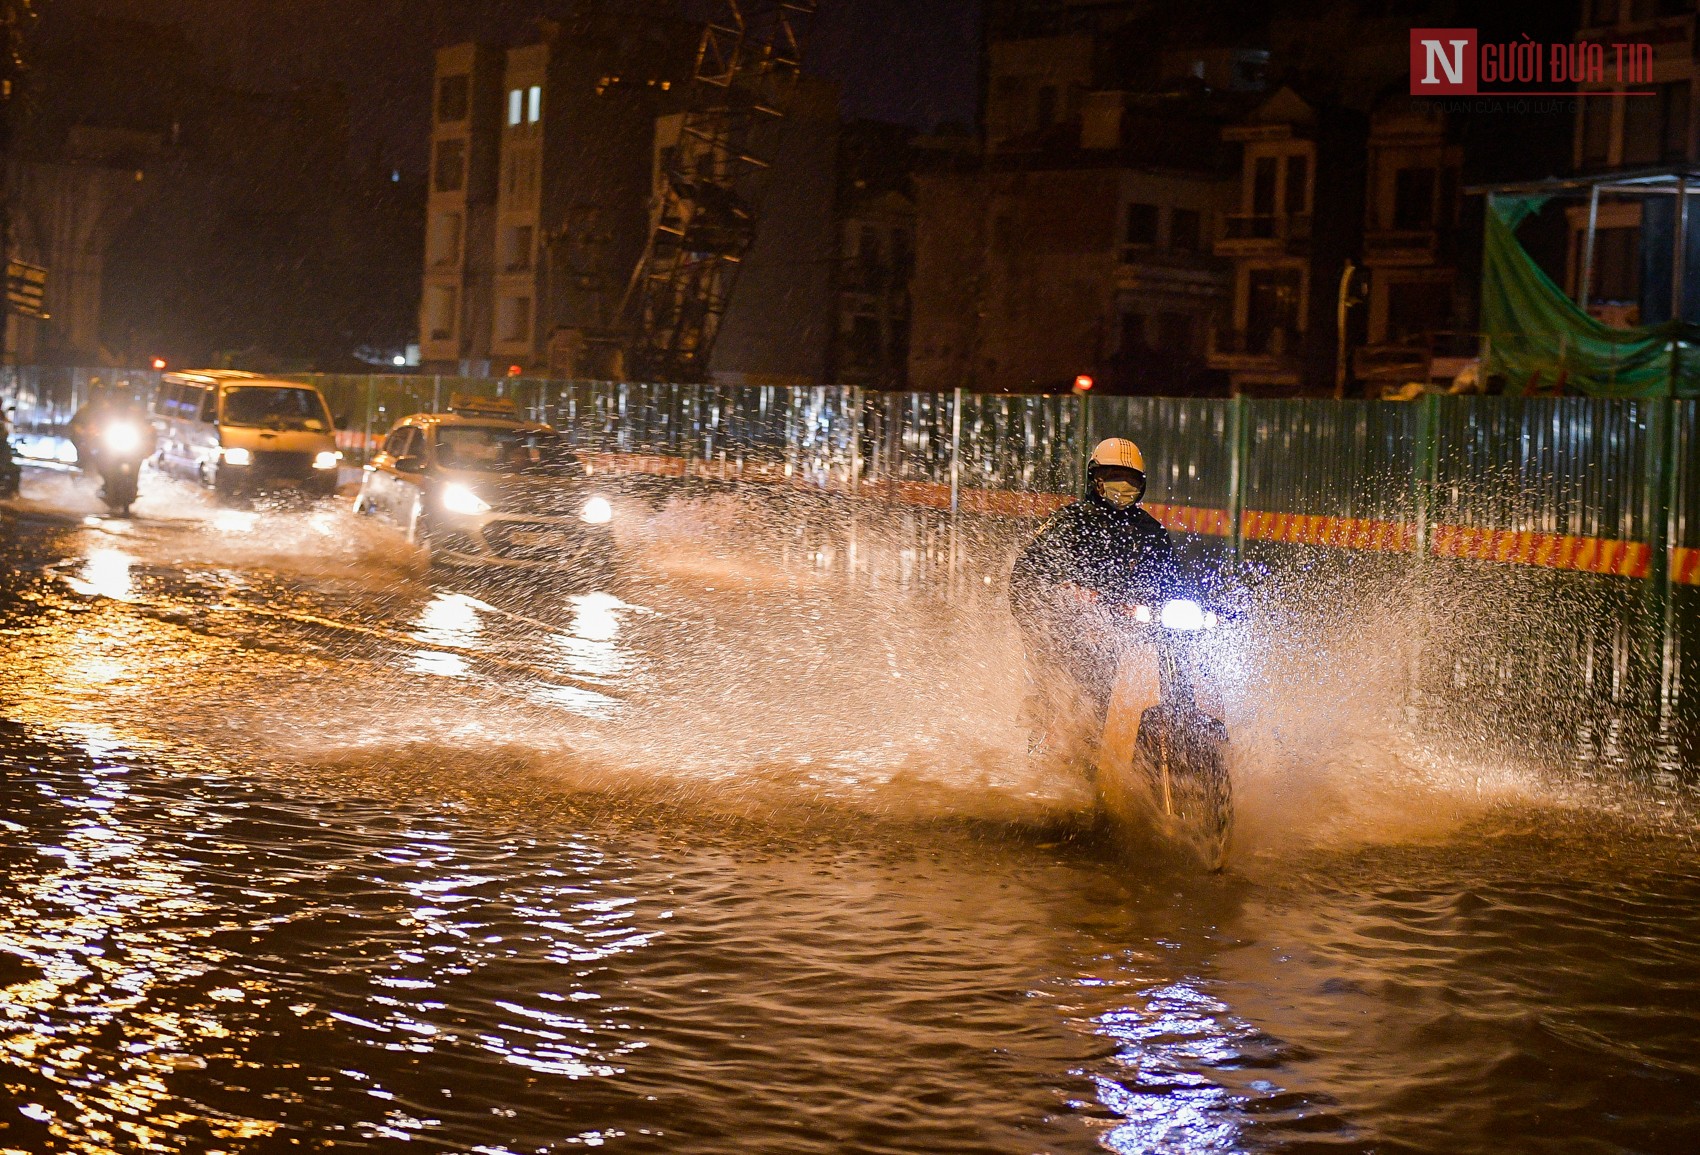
(105, 405)
(1095, 559)
(113, 435)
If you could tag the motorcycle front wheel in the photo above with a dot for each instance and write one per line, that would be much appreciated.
(1183, 755)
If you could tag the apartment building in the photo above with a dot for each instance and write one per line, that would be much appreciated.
(538, 209)
(1299, 219)
(1411, 250)
(1080, 242)
(456, 298)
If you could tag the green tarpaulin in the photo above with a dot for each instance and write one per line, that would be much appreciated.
(1541, 341)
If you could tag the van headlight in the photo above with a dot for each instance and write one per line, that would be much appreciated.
(236, 455)
(596, 511)
(326, 459)
(458, 498)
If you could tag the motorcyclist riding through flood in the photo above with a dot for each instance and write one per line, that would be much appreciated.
(1097, 597)
(1094, 558)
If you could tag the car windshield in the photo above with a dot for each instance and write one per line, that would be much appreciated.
(500, 449)
(276, 408)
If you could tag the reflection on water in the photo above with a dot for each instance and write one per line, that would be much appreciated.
(105, 574)
(283, 892)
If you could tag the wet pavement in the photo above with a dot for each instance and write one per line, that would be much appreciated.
(305, 847)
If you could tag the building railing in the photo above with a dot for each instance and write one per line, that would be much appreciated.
(1289, 227)
(1278, 342)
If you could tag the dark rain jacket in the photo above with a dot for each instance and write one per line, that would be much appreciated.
(1122, 555)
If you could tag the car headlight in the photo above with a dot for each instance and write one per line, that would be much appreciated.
(460, 499)
(236, 455)
(596, 511)
(122, 437)
(1184, 614)
(326, 459)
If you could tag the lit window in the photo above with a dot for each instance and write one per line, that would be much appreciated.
(515, 105)
(534, 107)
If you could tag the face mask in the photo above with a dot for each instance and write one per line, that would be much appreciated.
(1120, 494)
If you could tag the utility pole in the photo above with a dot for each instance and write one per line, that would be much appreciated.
(1346, 300)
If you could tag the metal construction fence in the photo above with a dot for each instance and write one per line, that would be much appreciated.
(1600, 486)
(1587, 503)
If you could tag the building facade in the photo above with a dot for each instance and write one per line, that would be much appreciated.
(1298, 222)
(1411, 247)
(541, 179)
(458, 287)
(1080, 241)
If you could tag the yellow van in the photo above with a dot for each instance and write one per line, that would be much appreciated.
(239, 432)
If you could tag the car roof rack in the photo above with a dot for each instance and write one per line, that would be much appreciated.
(468, 406)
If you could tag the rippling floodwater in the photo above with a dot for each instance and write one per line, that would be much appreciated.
(301, 850)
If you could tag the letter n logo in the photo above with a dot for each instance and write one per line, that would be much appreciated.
(1443, 62)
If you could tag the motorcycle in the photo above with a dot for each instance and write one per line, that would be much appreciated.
(121, 444)
(1174, 768)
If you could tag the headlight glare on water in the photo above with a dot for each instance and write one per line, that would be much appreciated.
(596, 511)
(459, 499)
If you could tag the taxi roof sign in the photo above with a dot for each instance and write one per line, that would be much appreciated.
(470, 406)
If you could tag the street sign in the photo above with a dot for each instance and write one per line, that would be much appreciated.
(26, 289)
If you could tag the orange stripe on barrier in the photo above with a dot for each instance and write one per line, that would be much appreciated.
(1547, 550)
(1191, 519)
(1685, 566)
(1359, 533)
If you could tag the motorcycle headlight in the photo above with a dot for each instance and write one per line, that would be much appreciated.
(326, 460)
(236, 455)
(596, 511)
(1183, 614)
(122, 437)
(459, 499)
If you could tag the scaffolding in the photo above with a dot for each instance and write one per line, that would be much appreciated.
(747, 68)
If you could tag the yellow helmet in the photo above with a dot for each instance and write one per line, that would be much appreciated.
(1119, 451)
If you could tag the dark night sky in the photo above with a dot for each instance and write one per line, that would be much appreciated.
(912, 61)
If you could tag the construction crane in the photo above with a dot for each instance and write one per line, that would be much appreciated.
(747, 67)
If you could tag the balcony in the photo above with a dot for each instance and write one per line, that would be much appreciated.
(1389, 248)
(1437, 355)
(1261, 350)
(1264, 234)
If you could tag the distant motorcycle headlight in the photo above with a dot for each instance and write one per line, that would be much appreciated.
(460, 499)
(1182, 614)
(122, 437)
(236, 455)
(596, 511)
(326, 460)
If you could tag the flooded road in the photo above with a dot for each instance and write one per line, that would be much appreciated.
(302, 847)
